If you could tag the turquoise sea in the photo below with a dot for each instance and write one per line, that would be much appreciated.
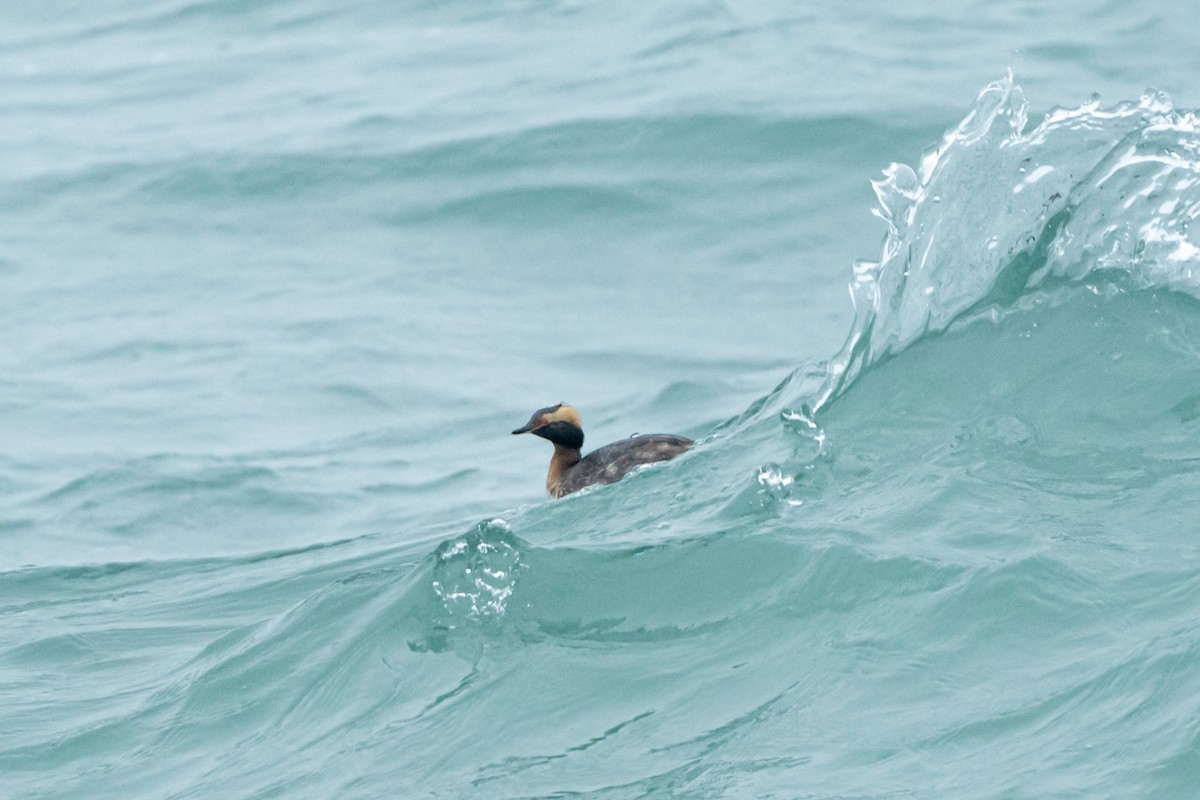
(279, 277)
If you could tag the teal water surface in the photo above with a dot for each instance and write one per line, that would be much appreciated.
(278, 279)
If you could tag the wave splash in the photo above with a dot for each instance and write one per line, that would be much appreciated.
(996, 211)
(476, 574)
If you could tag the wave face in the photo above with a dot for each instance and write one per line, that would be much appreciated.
(257, 528)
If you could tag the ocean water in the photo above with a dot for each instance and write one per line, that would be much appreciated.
(278, 278)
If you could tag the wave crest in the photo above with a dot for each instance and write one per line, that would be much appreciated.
(995, 210)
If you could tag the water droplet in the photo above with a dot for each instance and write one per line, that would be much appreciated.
(477, 573)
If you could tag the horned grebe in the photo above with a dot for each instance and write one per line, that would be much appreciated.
(569, 472)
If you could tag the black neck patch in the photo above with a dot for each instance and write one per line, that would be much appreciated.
(563, 433)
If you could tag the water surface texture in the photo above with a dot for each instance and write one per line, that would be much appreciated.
(278, 278)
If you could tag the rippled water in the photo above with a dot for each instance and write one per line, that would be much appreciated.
(278, 278)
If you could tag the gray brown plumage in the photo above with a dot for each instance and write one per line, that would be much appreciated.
(570, 472)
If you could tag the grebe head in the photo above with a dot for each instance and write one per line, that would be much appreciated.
(559, 424)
